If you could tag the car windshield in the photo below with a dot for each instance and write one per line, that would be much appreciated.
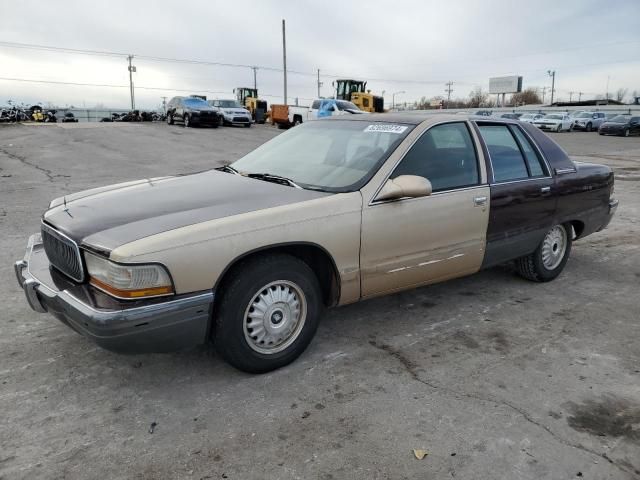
(229, 104)
(331, 155)
(195, 102)
(585, 115)
(554, 117)
(619, 119)
(343, 105)
(527, 115)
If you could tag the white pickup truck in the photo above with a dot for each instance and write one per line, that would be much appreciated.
(322, 107)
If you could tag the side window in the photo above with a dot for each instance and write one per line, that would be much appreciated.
(536, 166)
(445, 155)
(506, 159)
(315, 105)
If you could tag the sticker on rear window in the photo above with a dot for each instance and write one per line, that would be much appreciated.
(382, 128)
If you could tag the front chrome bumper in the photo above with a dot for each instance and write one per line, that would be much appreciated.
(152, 325)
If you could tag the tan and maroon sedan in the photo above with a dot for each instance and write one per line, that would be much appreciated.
(329, 213)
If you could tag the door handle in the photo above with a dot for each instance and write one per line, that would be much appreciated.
(480, 201)
(545, 189)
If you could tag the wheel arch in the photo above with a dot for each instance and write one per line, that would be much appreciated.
(314, 255)
(578, 228)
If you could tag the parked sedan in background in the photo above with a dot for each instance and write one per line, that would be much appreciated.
(512, 116)
(589, 121)
(191, 111)
(556, 122)
(231, 112)
(531, 117)
(623, 125)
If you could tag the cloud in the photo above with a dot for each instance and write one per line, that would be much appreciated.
(413, 46)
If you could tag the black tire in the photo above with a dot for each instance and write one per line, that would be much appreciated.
(187, 121)
(297, 121)
(625, 133)
(589, 127)
(532, 266)
(221, 121)
(169, 119)
(237, 294)
(559, 129)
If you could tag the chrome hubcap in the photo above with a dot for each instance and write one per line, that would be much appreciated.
(553, 247)
(275, 317)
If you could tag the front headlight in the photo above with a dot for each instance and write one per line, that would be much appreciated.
(128, 281)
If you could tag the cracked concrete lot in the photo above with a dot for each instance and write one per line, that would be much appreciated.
(495, 377)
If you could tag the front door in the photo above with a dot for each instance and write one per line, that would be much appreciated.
(415, 241)
(523, 197)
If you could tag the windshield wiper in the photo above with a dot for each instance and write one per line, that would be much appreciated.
(274, 178)
(229, 169)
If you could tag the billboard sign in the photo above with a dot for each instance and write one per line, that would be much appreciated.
(511, 84)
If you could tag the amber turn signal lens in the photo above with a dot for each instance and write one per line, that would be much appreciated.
(130, 294)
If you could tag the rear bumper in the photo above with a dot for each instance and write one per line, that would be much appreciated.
(153, 325)
(613, 206)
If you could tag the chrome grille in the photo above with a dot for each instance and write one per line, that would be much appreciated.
(63, 253)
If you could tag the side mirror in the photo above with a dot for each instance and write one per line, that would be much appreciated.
(411, 186)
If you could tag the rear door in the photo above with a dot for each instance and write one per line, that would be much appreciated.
(415, 241)
(523, 195)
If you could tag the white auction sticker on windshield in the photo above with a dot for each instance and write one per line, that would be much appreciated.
(385, 128)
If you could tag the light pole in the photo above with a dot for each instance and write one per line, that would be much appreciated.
(393, 99)
(552, 74)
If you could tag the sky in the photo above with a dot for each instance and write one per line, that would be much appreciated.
(410, 48)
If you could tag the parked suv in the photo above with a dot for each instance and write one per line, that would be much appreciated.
(231, 112)
(589, 121)
(191, 111)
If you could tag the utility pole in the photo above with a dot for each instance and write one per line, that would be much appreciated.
(255, 78)
(164, 104)
(544, 90)
(448, 90)
(607, 94)
(319, 83)
(132, 69)
(570, 96)
(580, 95)
(284, 59)
(552, 74)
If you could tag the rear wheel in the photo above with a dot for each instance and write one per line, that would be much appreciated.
(549, 259)
(297, 121)
(589, 127)
(269, 311)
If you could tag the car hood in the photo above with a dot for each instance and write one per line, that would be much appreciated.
(108, 217)
(615, 124)
(547, 120)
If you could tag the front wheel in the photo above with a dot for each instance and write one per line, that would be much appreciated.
(221, 121)
(626, 132)
(187, 121)
(549, 259)
(559, 129)
(169, 119)
(589, 127)
(268, 313)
